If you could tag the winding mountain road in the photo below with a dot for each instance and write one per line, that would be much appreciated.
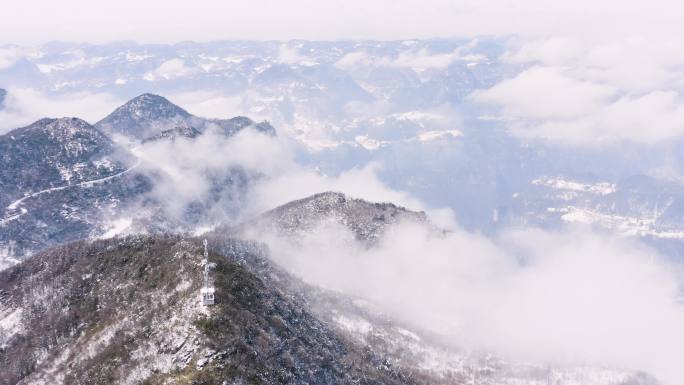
(11, 213)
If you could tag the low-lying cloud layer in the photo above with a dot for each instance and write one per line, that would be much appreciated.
(590, 94)
(560, 297)
(411, 58)
(187, 171)
(24, 106)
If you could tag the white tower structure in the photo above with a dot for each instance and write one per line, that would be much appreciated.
(207, 290)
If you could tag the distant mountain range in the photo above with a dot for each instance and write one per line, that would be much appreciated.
(403, 104)
(103, 309)
(99, 281)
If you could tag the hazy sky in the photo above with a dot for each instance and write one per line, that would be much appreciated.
(36, 21)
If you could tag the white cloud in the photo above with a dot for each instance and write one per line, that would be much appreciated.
(421, 59)
(544, 92)
(73, 59)
(291, 55)
(25, 105)
(353, 60)
(299, 183)
(416, 59)
(568, 297)
(183, 171)
(586, 104)
(8, 56)
(212, 104)
(636, 64)
(170, 69)
(551, 51)
(632, 64)
(651, 118)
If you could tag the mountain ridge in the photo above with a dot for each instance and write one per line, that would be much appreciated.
(367, 220)
(62, 179)
(128, 310)
(148, 116)
(52, 151)
(143, 116)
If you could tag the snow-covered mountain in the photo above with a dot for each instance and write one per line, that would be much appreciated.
(404, 104)
(145, 116)
(299, 85)
(128, 310)
(64, 179)
(366, 220)
(426, 356)
(151, 116)
(55, 175)
(52, 152)
(403, 109)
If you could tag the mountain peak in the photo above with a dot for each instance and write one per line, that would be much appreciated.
(55, 138)
(367, 220)
(51, 153)
(63, 129)
(149, 117)
(144, 116)
(148, 100)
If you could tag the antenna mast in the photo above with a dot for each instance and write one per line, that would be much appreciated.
(206, 265)
(207, 290)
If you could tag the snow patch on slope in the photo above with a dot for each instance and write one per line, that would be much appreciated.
(428, 136)
(627, 225)
(117, 227)
(369, 143)
(10, 325)
(600, 188)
